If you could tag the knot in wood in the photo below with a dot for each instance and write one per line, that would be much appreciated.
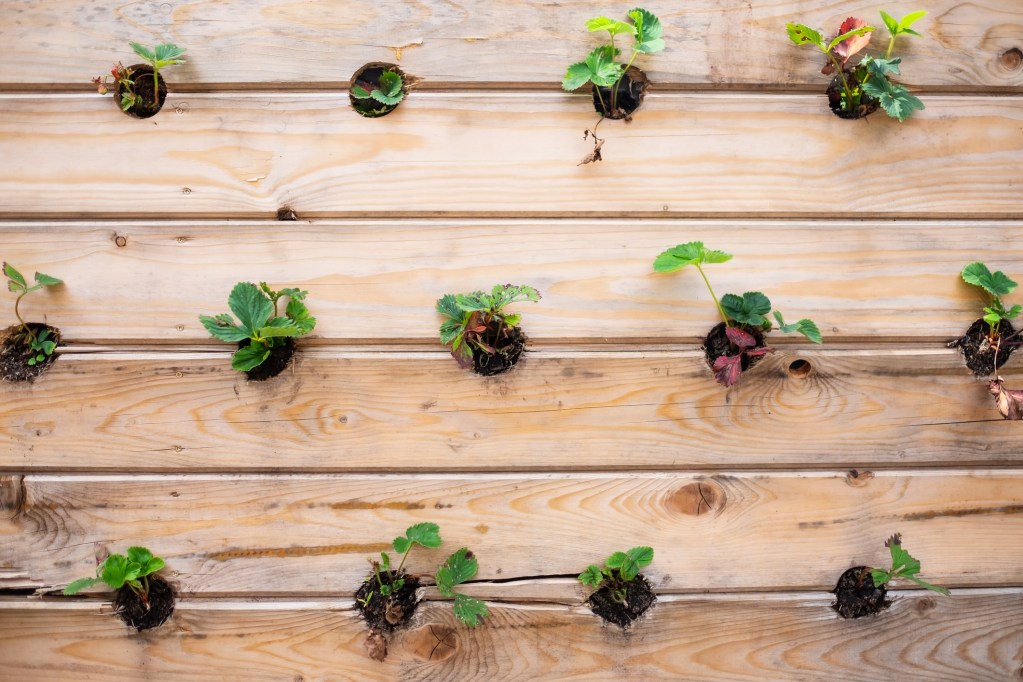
(858, 479)
(696, 499)
(1011, 59)
(432, 642)
(12, 496)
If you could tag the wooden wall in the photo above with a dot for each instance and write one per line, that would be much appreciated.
(267, 499)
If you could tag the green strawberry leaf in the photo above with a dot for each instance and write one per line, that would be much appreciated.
(648, 31)
(690, 253)
(249, 357)
(592, 576)
(802, 35)
(612, 26)
(995, 283)
(749, 309)
(223, 327)
(80, 584)
(470, 611)
(250, 306)
(15, 277)
(426, 534)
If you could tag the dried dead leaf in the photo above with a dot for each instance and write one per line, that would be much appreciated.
(393, 613)
(593, 156)
(376, 645)
(1010, 402)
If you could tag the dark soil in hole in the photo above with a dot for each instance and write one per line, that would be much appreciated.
(393, 611)
(15, 352)
(368, 78)
(638, 596)
(280, 358)
(717, 344)
(978, 351)
(868, 105)
(630, 92)
(134, 613)
(142, 74)
(509, 349)
(856, 595)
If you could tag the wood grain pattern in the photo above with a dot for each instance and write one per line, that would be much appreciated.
(384, 411)
(976, 636)
(529, 42)
(515, 155)
(379, 280)
(306, 534)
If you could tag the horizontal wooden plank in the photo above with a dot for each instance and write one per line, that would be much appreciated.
(974, 636)
(306, 534)
(508, 154)
(383, 411)
(373, 280)
(524, 42)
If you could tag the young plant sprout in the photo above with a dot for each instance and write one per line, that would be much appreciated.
(458, 568)
(162, 56)
(620, 569)
(124, 78)
(377, 88)
(743, 317)
(904, 566)
(868, 83)
(260, 325)
(41, 345)
(389, 582)
(481, 334)
(607, 75)
(118, 571)
(997, 284)
(389, 90)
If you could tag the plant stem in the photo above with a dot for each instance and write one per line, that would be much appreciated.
(712, 295)
(891, 44)
(156, 88)
(404, 556)
(24, 325)
(845, 81)
(614, 92)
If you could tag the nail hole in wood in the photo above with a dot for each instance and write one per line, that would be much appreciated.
(800, 368)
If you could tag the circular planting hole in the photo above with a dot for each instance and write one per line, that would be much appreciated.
(377, 88)
(800, 368)
(627, 95)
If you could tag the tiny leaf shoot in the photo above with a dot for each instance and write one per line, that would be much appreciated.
(620, 569)
(389, 89)
(41, 345)
(162, 56)
(903, 566)
(460, 567)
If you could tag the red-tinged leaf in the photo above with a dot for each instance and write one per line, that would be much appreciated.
(1010, 402)
(478, 328)
(850, 46)
(758, 352)
(742, 339)
(728, 369)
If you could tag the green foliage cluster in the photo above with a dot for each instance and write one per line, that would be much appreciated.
(260, 322)
(601, 66)
(903, 566)
(469, 316)
(389, 89)
(997, 284)
(118, 570)
(458, 568)
(620, 569)
(872, 75)
(162, 56)
(41, 344)
(746, 311)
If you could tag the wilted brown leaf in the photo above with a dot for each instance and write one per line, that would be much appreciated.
(1010, 402)
(393, 613)
(593, 156)
(376, 645)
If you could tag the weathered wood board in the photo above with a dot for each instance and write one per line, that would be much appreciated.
(975, 636)
(373, 280)
(290, 535)
(245, 155)
(607, 410)
(524, 43)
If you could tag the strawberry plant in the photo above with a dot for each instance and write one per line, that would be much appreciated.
(390, 584)
(143, 599)
(732, 346)
(377, 89)
(860, 89)
(27, 344)
(479, 331)
(618, 89)
(388, 90)
(260, 330)
(904, 566)
(134, 98)
(620, 594)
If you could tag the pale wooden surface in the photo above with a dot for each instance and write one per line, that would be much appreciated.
(975, 636)
(373, 280)
(245, 155)
(392, 411)
(290, 535)
(528, 43)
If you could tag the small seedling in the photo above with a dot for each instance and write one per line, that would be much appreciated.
(477, 322)
(118, 570)
(620, 569)
(162, 56)
(41, 344)
(388, 583)
(997, 284)
(903, 566)
(260, 322)
(389, 89)
(739, 313)
(459, 567)
(603, 70)
(871, 77)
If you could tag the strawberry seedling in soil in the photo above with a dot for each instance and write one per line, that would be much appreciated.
(138, 89)
(481, 334)
(27, 348)
(990, 340)
(862, 590)
(377, 89)
(142, 599)
(622, 594)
